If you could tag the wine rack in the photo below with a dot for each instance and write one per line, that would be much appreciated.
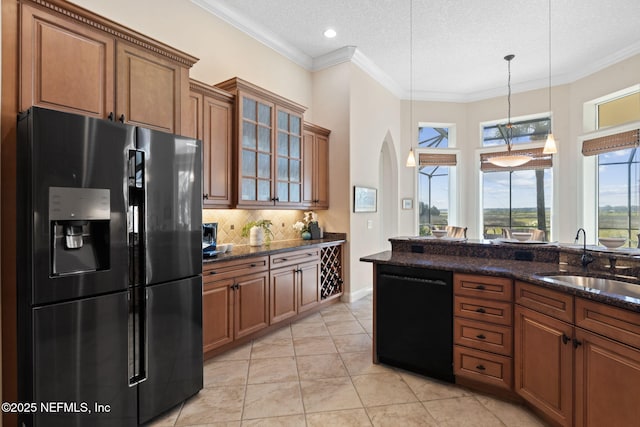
(331, 271)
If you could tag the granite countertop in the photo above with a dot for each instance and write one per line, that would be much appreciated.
(244, 251)
(528, 271)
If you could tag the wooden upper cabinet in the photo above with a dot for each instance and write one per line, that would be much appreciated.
(65, 65)
(267, 146)
(213, 120)
(73, 60)
(315, 167)
(149, 89)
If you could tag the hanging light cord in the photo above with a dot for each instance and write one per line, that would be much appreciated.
(411, 71)
(508, 58)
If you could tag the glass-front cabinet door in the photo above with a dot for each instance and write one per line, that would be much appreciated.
(288, 158)
(256, 152)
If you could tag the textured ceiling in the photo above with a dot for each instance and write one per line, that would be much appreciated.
(458, 45)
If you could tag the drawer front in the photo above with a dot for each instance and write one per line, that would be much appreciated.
(483, 336)
(552, 303)
(612, 322)
(498, 288)
(228, 269)
(294, 257)
(482, 366)
(499, 312)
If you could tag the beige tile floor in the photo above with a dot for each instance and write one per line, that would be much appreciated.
(318, 372)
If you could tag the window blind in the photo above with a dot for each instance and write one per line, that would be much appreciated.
(609, 143)
(431, 159)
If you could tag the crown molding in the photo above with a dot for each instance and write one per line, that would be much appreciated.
(256, 31)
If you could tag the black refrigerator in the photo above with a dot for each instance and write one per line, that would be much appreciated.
(109, 268)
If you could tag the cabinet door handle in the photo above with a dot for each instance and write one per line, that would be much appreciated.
(565, 338)
(110, 117)
(481, 337)
(576, 343)
(121, 118)
(480, 310)
(480, 368)
(205, 197)
(480, 287)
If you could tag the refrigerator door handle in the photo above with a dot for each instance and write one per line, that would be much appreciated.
(138, 355)
(137, 295)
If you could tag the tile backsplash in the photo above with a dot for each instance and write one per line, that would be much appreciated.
(231, 221)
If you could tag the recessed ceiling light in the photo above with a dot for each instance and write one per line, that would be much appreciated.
(330, 33)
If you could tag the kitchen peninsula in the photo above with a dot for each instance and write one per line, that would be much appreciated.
(571, 352)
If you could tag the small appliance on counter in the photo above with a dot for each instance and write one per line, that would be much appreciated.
(209, 239)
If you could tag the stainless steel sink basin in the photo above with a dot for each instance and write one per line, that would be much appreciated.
(596, 284)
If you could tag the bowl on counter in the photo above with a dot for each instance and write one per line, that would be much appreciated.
(222, 247)
(439, 233)
(521, 236)
(612, 242)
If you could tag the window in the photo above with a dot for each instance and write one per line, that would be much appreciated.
(436, 177)
(517, 198)
(618, 167)
(618, 195)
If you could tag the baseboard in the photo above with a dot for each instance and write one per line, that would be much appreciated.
(354, 296)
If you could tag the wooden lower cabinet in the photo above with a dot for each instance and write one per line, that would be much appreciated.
(294, 289)
(607, 382)
(234, 304)
(217, 314)
(251, 307)
(543, 357)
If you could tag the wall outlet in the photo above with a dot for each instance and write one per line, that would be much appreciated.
(369, 224)
(232, 227)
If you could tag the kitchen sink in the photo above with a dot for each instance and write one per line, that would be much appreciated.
(596, 284)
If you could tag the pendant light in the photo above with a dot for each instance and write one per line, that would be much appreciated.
(411, 158)
(550, 144)
(509, 160)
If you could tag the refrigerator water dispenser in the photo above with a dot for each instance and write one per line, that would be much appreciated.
(79, 223)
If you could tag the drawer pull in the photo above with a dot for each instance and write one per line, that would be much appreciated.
(480, 310)
(213, 272)
(480, 368)
(481, 337)
(252, 265)
(480, 287)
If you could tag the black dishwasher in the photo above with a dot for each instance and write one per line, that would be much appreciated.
(414, 320)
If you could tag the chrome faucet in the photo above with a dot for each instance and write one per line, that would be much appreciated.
(586, 257)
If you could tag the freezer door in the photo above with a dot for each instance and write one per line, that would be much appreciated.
(174, 343)
(80, 359)
(173, 205)
(72, 228)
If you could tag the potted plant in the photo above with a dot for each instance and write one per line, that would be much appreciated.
(258, 231)
(304, 226)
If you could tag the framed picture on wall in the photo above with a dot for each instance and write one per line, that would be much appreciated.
(365, 199)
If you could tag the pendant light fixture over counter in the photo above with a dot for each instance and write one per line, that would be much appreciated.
(509, 160)
(411, 158)
(550, 144)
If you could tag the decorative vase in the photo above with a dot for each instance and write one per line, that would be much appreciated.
(305, 235)
(256, 236)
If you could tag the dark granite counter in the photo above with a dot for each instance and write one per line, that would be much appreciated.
(498, 260)
(245, 251)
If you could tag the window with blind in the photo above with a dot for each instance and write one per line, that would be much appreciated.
(519, 198)
(435, 166)
(618, 168)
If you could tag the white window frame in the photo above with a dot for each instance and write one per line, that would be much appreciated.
(499, 148)
(454, 194)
